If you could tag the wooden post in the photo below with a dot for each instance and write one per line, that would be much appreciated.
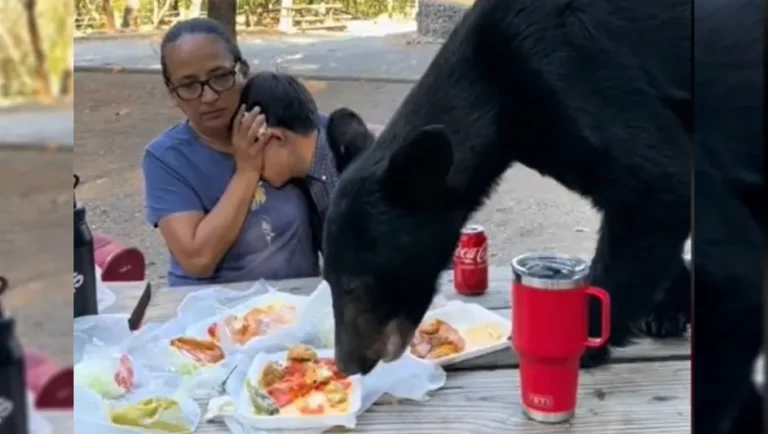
(286, 16)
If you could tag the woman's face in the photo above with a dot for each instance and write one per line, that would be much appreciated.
(200, 58)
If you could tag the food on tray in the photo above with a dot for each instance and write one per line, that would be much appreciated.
(202, 351)
(304, 385)
(485, 334)
(110, 377)
(263, 405)
(258, 321)
(436, 339)
(156, 414)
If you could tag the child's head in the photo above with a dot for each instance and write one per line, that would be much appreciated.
(292, 120)
(284, 101)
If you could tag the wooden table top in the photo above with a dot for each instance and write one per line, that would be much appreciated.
(645, 389)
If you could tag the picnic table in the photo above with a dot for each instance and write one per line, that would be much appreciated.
(645, 389)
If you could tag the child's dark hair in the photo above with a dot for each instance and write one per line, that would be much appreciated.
(201, 26)
(285, 102)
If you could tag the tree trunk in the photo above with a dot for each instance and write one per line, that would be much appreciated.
(108, 13)
(41, 74)
(286, 16)
(224, 11)
(195, 7)
(391, 8)
(131, 14)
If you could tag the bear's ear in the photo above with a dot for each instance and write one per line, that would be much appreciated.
(417, 172)
(348, 137)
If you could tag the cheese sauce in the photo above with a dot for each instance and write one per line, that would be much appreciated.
(484, 334)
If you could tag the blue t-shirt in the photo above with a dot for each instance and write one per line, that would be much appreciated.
(182, 174)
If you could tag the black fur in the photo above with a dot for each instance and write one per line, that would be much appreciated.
(729, 214)
(348, 141)
(597, 95)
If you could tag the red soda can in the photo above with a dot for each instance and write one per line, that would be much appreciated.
(470, 261)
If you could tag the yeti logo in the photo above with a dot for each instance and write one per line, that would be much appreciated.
(78, 280)
(758, 373)
(6, 408)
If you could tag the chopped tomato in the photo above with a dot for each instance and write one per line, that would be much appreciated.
(295, 369)
(331, 364)
(282, 396)
(212, 331)
(287, 391)
(124, 376)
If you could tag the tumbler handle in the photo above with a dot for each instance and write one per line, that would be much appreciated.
(605, 317)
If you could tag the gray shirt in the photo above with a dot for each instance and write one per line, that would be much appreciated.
(182, 174)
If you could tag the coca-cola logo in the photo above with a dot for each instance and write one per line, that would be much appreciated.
(472, 254)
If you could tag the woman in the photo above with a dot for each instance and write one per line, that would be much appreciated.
(203, 186)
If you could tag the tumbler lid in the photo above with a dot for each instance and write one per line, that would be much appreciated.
(550, 271)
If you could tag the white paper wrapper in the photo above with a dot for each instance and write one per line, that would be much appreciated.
(275, 340)
(104, 296)
(151, 348)
(462, 315)
(282, 422)
(36, 423)
(91, 413)
(102, 355)
(405, 378)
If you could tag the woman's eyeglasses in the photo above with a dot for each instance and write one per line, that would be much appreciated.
(218, 83)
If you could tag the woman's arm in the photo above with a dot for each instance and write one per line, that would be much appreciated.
(197, 241)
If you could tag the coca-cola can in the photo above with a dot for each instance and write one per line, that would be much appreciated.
(470, 262)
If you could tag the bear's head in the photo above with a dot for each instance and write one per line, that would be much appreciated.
(391, 228)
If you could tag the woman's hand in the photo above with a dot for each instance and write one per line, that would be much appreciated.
(249, 134)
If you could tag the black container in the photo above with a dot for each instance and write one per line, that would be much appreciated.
(13, 390)
(85, 301)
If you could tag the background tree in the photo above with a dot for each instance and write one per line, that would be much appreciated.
(108, 12)
(131, 14)
(41, 73)
(225, 12)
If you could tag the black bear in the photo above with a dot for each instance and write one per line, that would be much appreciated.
(595, 94)
(729, 214)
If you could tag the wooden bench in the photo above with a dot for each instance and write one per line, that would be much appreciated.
(289, 18)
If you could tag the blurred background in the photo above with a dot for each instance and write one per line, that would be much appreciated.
(35, 51)
(36, 138)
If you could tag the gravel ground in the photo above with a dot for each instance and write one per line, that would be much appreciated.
(36, 248)
(117, 114)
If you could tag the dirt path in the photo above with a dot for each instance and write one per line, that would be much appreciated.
(390, 56)
(36, 248)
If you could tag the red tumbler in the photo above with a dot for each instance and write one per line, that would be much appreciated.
(550, 295)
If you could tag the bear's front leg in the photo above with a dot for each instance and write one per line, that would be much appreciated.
(636, 258)
(671, 313)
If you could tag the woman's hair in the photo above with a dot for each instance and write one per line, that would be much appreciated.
(200, 26)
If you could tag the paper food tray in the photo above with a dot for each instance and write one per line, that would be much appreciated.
(91, 412)
(461, 316)
(279, 421)
(200, 329)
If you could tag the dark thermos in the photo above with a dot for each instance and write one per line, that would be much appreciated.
(13, 389)
(85, 265)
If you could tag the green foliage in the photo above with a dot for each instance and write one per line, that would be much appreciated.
(89, 12)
